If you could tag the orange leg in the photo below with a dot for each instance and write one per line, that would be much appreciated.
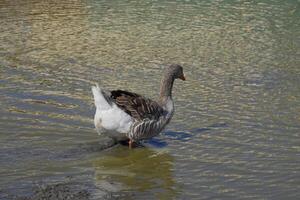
(130, 143)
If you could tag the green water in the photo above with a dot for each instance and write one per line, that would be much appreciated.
(236, 130)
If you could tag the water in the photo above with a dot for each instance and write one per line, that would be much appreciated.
(236, 129)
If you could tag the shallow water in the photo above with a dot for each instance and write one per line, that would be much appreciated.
(235, 133)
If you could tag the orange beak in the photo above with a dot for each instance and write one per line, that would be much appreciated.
(183, 77)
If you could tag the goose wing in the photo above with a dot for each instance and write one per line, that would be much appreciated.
(137, 106)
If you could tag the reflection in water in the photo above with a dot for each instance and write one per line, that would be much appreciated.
(138, 170)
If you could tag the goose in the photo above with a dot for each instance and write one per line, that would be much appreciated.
(124, 115)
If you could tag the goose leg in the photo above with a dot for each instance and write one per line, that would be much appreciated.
(130, 143)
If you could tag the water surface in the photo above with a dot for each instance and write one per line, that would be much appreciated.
(235, 133)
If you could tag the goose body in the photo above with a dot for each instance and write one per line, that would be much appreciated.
(126, 115)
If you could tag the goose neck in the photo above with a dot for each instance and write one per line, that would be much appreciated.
(166, 89)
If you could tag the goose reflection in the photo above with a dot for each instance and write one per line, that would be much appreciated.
(141, 171)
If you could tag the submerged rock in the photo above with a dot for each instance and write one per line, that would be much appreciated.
(60, 191)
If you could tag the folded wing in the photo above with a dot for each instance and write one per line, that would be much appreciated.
(137, 106)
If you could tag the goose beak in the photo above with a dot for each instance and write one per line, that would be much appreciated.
(183, 77)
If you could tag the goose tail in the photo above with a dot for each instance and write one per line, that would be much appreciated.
(100, 98)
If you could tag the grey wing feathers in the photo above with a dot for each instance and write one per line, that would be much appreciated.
(135, 105)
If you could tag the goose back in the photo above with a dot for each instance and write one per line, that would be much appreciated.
(137, 106)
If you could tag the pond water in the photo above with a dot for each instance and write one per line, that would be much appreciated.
(236, 130)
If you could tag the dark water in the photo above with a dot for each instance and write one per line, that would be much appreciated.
(236, 130)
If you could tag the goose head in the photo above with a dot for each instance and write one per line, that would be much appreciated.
(175, 71)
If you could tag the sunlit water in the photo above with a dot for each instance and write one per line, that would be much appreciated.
(236, 130)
